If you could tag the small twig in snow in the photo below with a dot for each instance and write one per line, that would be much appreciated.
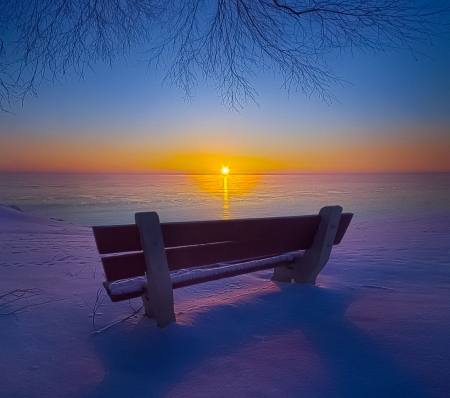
(119, 321)
(96, 306)
(98, 302)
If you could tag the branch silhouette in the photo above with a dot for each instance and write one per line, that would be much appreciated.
(226, 43)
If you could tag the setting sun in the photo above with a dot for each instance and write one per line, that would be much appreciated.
(225, 170)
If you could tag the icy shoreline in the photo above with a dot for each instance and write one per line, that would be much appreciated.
(375, 326)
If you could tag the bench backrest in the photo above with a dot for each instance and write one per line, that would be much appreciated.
(196, 243)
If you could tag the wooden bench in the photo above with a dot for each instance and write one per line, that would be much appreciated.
(147, 259)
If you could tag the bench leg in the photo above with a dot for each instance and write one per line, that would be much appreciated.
(158, 300)
(147, 306)
(306, 268)
(284, 273)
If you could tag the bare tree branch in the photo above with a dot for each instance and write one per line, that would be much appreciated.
(226, 43)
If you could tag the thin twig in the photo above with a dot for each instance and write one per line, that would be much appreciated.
(119, 321)
(30, 305)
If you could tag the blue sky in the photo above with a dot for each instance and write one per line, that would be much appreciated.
(394, 100)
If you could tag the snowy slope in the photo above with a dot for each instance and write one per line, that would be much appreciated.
(375, 326)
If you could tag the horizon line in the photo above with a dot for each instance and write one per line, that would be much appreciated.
(219, 174)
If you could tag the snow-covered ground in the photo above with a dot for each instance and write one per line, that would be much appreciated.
(376, 325)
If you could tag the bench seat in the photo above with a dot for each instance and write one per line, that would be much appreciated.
(126, 289)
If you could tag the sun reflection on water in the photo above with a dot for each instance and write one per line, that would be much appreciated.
(226, 206)
(230, 188)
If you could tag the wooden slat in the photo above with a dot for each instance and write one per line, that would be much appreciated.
(124, 266)
(131, 265)
(190, 282)
(204, 232)
(122, 297)
(195, 256)
(124, 238)
(228, 274)
(117, 238)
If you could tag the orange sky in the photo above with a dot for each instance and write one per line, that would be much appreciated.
(121, 156)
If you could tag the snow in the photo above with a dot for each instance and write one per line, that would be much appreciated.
(132, 285)
(219, 269)
(376, 324)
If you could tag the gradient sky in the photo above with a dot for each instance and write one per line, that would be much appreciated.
(393, 114)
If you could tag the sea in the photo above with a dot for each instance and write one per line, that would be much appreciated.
(104, 199)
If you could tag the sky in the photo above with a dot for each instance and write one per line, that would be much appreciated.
(392, 113)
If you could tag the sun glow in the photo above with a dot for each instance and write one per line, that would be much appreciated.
(225, 170)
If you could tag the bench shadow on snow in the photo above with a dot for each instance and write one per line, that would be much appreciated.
(147, 361)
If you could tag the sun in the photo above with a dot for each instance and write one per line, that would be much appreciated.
(225, 170)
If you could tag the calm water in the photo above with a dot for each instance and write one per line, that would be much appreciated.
(90, 199)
